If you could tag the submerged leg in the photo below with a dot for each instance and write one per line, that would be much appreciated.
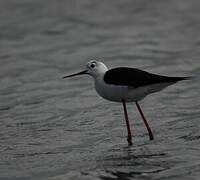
(129, 138)
(145, 121)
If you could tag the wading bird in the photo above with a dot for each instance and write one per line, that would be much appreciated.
(125, 84)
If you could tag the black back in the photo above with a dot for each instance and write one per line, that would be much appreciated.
(136, 78)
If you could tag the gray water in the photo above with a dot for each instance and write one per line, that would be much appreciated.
(58, 129)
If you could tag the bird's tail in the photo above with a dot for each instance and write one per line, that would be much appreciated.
(187, 78)
(175, 79)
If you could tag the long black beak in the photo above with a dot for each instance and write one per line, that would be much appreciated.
(76, 74)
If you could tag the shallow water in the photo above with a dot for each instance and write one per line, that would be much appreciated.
(61, 129)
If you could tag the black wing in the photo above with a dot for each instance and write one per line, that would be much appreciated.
(136, 78)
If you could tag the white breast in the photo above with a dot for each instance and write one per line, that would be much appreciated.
(115, 92)
(129, 94)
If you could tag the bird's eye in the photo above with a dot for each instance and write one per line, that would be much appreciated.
(92, 65)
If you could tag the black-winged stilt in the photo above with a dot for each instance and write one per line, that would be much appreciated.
(124, 84)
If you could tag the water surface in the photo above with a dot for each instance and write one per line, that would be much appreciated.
(58, 129)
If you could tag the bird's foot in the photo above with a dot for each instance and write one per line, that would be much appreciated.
(129, 141)
(151, 137)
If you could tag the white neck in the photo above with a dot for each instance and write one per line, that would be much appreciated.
(100, 71)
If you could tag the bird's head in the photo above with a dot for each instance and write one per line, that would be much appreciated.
(93, 68)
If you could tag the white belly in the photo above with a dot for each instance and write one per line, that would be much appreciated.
(129, 94)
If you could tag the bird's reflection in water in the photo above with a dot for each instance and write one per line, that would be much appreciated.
(129, 162)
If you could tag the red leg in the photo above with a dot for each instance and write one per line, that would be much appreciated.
(129, 138)
(145, 121)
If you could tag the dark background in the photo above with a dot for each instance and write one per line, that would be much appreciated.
(61, 129)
